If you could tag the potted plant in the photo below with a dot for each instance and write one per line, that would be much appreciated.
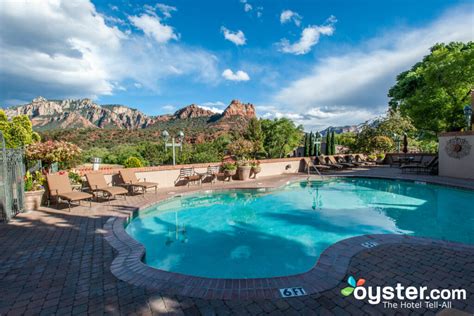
(75, 179)
(256, 168)
(244, 169)
(230, 169)
(34, 190)
(242, 148)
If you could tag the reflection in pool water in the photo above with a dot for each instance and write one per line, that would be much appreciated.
(243, 234)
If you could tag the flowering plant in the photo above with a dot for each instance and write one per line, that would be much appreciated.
(53, 151)
(35, 181)
(255, 163)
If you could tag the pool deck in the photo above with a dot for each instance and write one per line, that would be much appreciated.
(56, 262)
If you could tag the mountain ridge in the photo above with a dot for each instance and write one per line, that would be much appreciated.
(84, 113)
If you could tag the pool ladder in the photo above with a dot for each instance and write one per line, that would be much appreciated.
(317, 170)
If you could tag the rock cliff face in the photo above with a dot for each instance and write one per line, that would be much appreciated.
(84, 113)
(192, 111)
(50, 114)
(236, 108)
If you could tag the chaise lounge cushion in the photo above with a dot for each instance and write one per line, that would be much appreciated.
(74, 196)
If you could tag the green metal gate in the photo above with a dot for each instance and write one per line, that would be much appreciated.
(12, 172)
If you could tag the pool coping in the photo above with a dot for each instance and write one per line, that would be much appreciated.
(329, 270)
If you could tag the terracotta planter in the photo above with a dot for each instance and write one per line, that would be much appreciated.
(256, 170)
(244, 172)
(33, 200)
(230, 173)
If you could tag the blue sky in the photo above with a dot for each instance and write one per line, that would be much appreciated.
(320, 63)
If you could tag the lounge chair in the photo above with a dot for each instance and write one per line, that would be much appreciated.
(317, 167)
(342, 160)
(431, 167)
(60, 188)
(332, 161)
(189, 175)
(98, 184)
(351, 159)
(130, 180)
(364, 159)
(323, 160)
(213, 172)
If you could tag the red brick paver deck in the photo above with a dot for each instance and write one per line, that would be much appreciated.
(55, 262)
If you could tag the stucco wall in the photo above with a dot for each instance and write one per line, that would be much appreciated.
(166, 176)
(454, 167)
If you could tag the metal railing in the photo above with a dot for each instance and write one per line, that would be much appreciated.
(12, 172)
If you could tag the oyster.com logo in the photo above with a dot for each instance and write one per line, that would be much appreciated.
(352, 285)
(405, 296)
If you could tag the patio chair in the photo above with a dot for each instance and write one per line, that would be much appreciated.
(213, 172)
(351, 159)
(189, 175)
(332, 161)
(130, 180)
(431, 167)
(311, 165)
(342, 160)
(324, 161)
(98, 184)
(363, 158)
(60, 188)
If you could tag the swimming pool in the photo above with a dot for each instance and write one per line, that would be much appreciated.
(259, 233)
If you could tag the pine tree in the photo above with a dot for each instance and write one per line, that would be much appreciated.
(311, 141)
(317, 148)
(306, 146)
(333, 143)
(327, 148)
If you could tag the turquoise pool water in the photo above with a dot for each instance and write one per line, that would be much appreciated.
(246, 234)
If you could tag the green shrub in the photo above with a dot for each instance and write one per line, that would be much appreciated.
(74, 177)
(229, 166)
(133, 162)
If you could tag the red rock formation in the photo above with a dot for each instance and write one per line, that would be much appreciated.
(236, 108)
(192, 111)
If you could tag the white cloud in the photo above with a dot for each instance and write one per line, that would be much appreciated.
(82, 56)
(216, 106)
(216, 103)
(212, 108)
(237, 76)
(152, 27)
(288, 16)
(168, 107)
(309, 37)
(351, 87)
(247, 7)
(166, 9)
(238, 38)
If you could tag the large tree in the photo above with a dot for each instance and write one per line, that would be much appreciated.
(254, 133)
(434, 91)
(282, 136)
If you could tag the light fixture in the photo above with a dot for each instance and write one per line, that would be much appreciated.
(467, 116)
(165, 134)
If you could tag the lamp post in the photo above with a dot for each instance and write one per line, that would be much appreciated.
(468, 115)
(317, 143)
(396, 137)
(96, 163)
(173, 143)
